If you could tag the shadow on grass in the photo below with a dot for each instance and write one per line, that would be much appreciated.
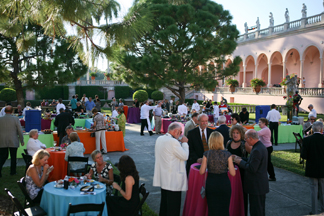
(288, 160)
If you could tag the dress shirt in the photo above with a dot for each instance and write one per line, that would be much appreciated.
(59, 106)
(145, 111)
(114, 114)
(89, 105)
(216, 111)
(158, 111)
(205, 133)
(26, 108)
(86, 99)
(265, 136)
(75, 149)
(33, 145)
(273, 116)
(182, 109)
(2, 113)
(312, 113)
(195, 106)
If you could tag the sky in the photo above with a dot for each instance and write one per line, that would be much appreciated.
(248, 10)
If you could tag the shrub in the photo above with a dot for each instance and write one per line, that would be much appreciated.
(52, 93)
(257, 82)
(232, 82)
(123, 92)
(91, 91)
(8, 94)
(157, 95)
(141, 95)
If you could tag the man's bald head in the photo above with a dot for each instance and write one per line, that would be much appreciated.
(8, 109)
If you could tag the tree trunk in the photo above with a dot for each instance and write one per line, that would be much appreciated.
(182, 93)
(17, 82)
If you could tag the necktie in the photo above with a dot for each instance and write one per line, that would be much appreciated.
(206, 148)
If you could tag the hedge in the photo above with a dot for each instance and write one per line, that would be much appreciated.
(157, 95)
(52, 93)
(123, 92)
(141, 95)
(149, 91)
(8, 94)
(91, 91)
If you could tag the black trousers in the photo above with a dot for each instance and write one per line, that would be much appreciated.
(257, 205)
(170, 203)
(4, 156)
(270, 165)
(143, 125)
(61, 137)
(274, 131)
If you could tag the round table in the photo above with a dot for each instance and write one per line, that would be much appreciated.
(165, 125)
(55, 201)
(195, 205)
(133, 115)
(60, 165)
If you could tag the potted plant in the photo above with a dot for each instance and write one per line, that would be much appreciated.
(257, 84)
(93, 75)
(108, 76)
(232, 83)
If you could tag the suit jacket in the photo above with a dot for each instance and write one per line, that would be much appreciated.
(189, 126)
(196, 148)
(10, 131)
(224, 130)
(169, 170)
(63, 120)
(313, 152)
(255, 176)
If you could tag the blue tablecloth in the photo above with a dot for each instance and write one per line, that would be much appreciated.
(56, 201)
(88, 123)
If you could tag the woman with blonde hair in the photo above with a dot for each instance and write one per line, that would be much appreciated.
(37, 174)
(218, 186)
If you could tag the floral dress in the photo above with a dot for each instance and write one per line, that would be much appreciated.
(31, 187)
(121, 121)
(104, 174)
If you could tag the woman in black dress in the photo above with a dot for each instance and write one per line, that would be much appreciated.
(127, 203)
(237, 146)
(218, 186)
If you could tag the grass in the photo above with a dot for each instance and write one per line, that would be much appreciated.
(288, 160)
(284, 117)
(10, 182)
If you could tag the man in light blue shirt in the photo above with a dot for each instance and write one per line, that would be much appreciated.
(89, 106)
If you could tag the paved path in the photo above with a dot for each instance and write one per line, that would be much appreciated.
(289, 195)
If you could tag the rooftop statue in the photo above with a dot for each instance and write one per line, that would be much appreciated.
(287, 15)
(258, 24)
(304, 11)
(271, 21)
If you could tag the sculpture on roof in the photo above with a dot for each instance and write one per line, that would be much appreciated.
(245, 27)
(271, 20)
(304, 11)
(258, 24)
(287, 15)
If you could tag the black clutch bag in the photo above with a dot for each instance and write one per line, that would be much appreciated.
(87, 188)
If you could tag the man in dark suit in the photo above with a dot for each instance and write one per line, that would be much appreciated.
(313, 152)
(256, 183)
(63, 120)
(198, 141)
(223, 129)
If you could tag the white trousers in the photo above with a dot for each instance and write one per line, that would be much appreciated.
(101, 135)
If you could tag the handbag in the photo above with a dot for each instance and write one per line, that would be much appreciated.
(202, 190)
(93, 134)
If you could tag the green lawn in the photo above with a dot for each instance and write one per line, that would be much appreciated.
(288, 160)
(284, 117)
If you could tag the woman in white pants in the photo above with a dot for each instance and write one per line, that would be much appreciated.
(99, 124)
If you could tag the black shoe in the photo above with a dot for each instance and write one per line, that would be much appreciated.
(272, 179)
(276, 144)
(151, 133)
(311, 213)
(103, 152)
(142, 134)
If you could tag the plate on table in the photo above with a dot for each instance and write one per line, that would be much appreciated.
(59, 186)
(90, 180)
(98, 186)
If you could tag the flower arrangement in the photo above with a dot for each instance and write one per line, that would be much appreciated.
(283, 81)
(232, 82)
(74, 181)
(257, 82)
(63, 145)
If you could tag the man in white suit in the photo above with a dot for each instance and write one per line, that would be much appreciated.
(145, 120)
(195, 107)
(171, 152)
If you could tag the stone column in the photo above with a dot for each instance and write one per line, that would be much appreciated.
(321, 74)
(283, 75)
(244, 76)
(256, 71)
(301, 73)
(269, 75)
